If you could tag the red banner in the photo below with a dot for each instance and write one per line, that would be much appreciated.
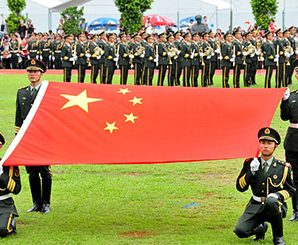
(73, 123)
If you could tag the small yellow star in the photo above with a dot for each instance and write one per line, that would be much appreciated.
(81, 100)
(123, 91)
(111, 127)
(130, 118)
(136, 100)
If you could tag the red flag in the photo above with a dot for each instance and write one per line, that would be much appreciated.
(87, 123)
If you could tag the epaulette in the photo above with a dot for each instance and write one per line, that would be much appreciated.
(284, 163)
(248, 160)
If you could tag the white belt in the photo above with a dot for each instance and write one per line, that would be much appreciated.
(6, 196)
(259, 199)
(293, 125)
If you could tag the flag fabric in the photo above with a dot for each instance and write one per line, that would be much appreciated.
(73, 123)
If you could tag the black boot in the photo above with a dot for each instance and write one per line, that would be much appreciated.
(35, 187)
(35, 208)
(260, 232)
(278, 241)
(294, 216)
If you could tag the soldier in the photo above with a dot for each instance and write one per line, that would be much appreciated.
(10, 182)
(83, 55)
(227, 59)
(33, 47)
(111, 61)
(57, 49)
(237, 52)
(280, 64)
(172, 56)
(41, 193)
(162, 58)
(195, 50)
(213, 58)
(271, 184)
(149, 65)
(95, 52)
(138, 52)
(102, 42)
(45, 49)
(68, 60)
(290, 47)
(206, 56)
(293, 41)
(268, 50)
(248, 55)
(289, 112)
(123, 59)
(14, 52)
(186, 54)
(178, 63)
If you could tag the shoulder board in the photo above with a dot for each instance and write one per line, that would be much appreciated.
(24, 88)
(248, 160)
(283, 163)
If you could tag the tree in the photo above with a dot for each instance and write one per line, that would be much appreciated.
(72, 16)
(13, 20)
(132, 13)
(264, 11)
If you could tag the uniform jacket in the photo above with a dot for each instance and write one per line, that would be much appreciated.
(186, 54)
(66, 54)
(289, 112)
(277, 180)
(123, 54)
(238, 52)
(81, 53)
(269, 53)
(149, 56)
(10, 181)
(162, 54)
(226, 52)
(110, 55)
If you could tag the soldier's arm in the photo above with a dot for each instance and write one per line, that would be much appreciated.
(244, 177)
(10, 180)
(18, 115)
(287, 184)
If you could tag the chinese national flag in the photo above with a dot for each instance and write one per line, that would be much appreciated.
(106, 124)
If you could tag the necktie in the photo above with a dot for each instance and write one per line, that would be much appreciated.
(33, 92)
(265, 167)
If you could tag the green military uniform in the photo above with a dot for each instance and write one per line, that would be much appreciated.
(279, 45)
(33, 49)
(45, 49)
(268, 50)
(226, 64)
(57, 49)
(101, 62)
(138, 52)
(271, 183)
(95, 52)
(67, 61)
(149, 64)
(237, 50)
(81, 61)
(186, 60)
(110, 61)
(162, 60)
(123, 62)
(13, 50)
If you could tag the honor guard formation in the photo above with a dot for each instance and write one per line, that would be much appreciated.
(181, 58)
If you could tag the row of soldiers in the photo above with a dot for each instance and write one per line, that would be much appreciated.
(177, 56)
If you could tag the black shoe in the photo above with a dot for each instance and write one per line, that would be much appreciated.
(260, 232)
(45, 208)
(294, 216)
(35, 208)
(278, 241)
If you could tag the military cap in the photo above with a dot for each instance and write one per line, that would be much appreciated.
(227, 34)
(292, 27)
(66, 36)
(203, 34)
(148, 36)
(196, 34)
(278, 30)
(267, 33)
(122, 34)
(35, 65)
(186, 34)
(210, 32)
(286, 30)
(177, 33)
(269, 134)
(134, 35)
(2, 140)
(82, 34)
(101, 32)
(162, 35)
(237, 30)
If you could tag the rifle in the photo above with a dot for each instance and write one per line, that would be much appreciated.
(277, 54)
(74, 53)
(234, 55)
(156, 55)
(117, 55)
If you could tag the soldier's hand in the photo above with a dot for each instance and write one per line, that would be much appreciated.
(1, 170)
(286, 94)
(272, 195)
(254, 165)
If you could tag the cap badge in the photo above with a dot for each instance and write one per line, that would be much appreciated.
(267, 131)
(33, 62)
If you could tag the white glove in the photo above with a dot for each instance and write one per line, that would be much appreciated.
(288, 55)
(201, 54)
(296, 52)
(88, 55)
(275, 59)
(262, 59)
(232, 60)
(53, 58)
(40, 57)
(131, 56)
(217, 51)
(254, 165)
(71, 59)
(272, 195)
(37, 57)
(286, 94)
(142, 55)
(1, 169)
(245, 53)
(208, 57)
(257, 52)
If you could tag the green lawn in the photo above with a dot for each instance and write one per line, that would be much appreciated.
(135, 204)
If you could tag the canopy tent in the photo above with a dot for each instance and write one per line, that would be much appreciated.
(157, 20)
(185, 21)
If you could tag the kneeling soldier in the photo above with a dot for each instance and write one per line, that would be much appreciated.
(10, 182)
(271, 184)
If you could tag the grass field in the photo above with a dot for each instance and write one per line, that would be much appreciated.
(179, 203)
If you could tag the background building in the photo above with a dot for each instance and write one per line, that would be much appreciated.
(218, 11)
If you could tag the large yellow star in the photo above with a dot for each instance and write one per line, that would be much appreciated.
(136, 100)
(123, 91)
(111, 127)
(81, 100)
(130, 118)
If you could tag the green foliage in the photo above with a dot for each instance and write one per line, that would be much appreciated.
(13, 20)
(72, 16)
(264, 11)
(132, 13)
(16, 5)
